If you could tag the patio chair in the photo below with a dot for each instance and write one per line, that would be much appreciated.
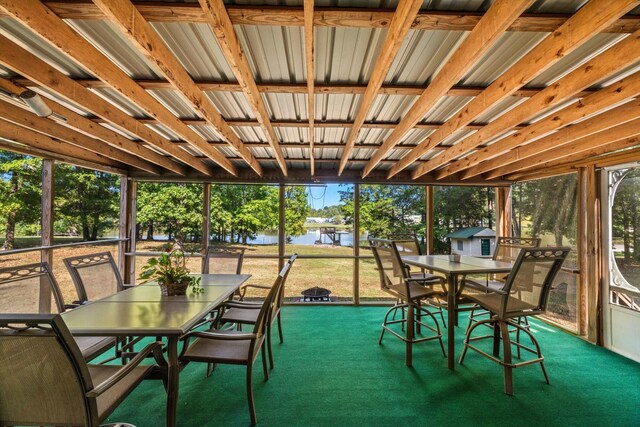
(507, 250)
(246, 313)
(32, 289)
(44, 380)
(395, 280)
(223, 260)
(236, 347)
(95, 276)
(525, 293)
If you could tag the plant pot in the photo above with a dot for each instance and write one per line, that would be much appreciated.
(454, 258)
(172, 289)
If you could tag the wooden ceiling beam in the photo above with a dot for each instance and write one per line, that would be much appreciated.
(597, 69)
(310, 68)
(329, 17)
(64, 151)
(49, 127)
(602, 156)
(140, 33)
(47, 25)
(587, 146)
(400, 25)
(88, 127)
(492, 25)
(20, 61)
(586, 23)
(519, 157)
(298, 88)
(220, 23)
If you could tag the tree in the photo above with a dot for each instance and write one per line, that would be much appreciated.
(174, 208)
(20, 192)
(86, 200)
(296, 212)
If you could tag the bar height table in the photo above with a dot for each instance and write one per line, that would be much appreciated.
(466, 265)
(143, 311)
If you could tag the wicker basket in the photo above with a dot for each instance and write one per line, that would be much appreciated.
(172, 289)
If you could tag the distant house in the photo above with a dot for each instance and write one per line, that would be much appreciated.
(474, 241)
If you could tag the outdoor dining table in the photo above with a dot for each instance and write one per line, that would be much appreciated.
(142, 311)
(453, 270)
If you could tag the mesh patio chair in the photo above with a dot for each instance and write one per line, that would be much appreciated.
(524, 294)
(223, 260)
(411, 295)
(95, 275)
(236, 347)
(246, 313)
(507, 250)
(44, 380)
(32, 289)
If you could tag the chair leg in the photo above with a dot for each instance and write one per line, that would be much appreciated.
(210, 368)
(418, 318)
(280, 328)
(265, 370)
(269, 345)
(506, 348)
(526, 330)
(252, 409)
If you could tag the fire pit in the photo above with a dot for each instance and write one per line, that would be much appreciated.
(316, 294)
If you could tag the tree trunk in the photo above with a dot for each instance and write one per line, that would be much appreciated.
(150, 231)
(10, 233)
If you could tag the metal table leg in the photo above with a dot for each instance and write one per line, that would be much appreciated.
(173, 381)
(451, 318)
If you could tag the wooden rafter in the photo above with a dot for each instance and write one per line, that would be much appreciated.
(586, 23)
(82, 124)
(308, 54)
(504, 163)
(43, 22)
(405, 14)
(493, 24)
(13, 132)
(218, 19)
(329, 17)
(52, 129)
(137, 30)
(593, 104)
(19, 60)
(586, 146)
(602, 66)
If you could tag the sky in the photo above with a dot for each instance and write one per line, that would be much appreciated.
(324, 195)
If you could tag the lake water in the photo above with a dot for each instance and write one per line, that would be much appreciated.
(310, 238)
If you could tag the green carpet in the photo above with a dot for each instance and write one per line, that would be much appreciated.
(330, 371)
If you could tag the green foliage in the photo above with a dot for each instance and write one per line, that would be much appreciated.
(174, 208)
(625, 218)
(386, 210)
(459, 207)
(296, 212)
(20, 193)
(86, 201)
(170, 268)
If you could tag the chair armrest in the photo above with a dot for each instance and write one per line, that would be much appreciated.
(217, 335)
(242, 304)
(155, 347)
(243, 289)
(127, 286)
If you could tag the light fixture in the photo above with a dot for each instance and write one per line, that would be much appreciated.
(35, 102)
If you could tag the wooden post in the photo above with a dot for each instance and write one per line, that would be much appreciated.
(281, 224)
(46, 227)
(122, 225)
(429, 218)
(356, 244)
(128, 213)
(590, 291)
(503, 212)
(206, 217)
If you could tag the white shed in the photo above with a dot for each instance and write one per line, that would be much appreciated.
(474, 241)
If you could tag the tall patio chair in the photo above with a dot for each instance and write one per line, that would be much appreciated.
(94, 275)
(223, 260)
(411, 295)
(246, 313)
(32, 289)
(525, 293)
(236, 347)
(44, 380)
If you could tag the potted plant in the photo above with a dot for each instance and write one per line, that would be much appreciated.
(171, 273)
